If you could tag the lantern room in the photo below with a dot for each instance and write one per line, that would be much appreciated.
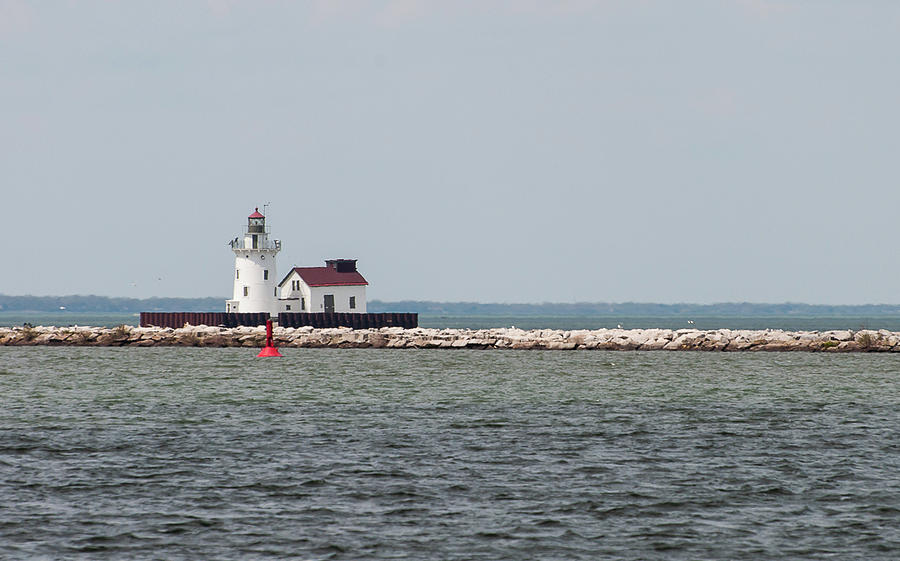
(256, 223)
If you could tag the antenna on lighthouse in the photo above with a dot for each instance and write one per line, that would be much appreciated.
(266, 212)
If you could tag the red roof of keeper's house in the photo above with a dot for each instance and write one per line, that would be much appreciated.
(327, 276)
(256, 214)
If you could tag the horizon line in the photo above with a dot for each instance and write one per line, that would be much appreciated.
(476, 302)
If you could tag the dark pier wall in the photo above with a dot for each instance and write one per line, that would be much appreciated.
(356, 321)
(177, 320)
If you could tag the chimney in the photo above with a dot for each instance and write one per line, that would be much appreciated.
(342, 265)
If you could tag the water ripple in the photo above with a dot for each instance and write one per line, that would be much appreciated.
(199, 453)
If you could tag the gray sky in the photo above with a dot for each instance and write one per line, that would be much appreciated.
(506, 151)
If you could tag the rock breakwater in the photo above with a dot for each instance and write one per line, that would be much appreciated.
(496, 338)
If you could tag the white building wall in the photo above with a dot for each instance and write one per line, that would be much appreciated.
(289, 296)
(298, 300)
(342, 296)
(261, 292)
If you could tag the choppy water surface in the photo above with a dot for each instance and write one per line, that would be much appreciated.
(372, 454)
(786, 322)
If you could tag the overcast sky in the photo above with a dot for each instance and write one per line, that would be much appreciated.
(492, 151)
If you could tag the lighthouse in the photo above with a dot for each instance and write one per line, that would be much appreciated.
(255, 275)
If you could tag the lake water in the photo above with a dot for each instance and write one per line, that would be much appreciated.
(790, 323)
(177, 453)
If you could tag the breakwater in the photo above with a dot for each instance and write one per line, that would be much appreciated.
(286, 319)
(497, 338)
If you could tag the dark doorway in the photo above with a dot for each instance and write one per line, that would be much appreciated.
(329, 303)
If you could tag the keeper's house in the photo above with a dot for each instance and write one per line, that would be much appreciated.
(335, 288)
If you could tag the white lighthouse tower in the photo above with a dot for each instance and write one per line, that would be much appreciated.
(255, 276)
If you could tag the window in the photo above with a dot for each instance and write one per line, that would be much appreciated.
(266, 274)
(303, 303)
(237, 273)
(353, 302)
(275, 291)
(287, 307)
(246, 291)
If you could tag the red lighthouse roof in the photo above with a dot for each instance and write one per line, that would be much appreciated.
(326, 276)
(256, 214)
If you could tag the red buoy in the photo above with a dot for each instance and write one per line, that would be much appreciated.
(269, 349)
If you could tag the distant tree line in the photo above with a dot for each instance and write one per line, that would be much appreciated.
(626, 309)
(106, 304)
